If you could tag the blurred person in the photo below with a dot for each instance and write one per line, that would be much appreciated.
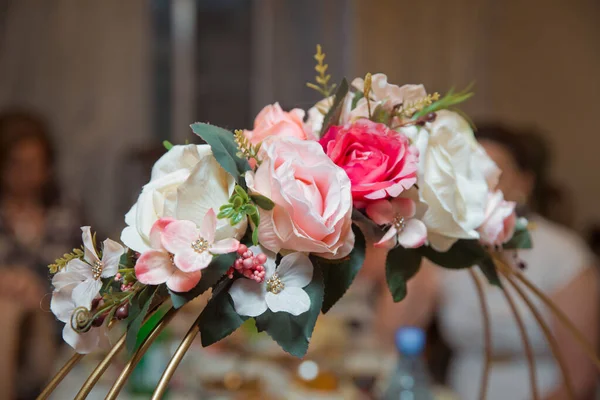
(559, 264)
(35, 224)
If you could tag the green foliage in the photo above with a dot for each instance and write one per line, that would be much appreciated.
(246, 148)
(219, 319)
(262, 201)
(449, 100)
(138, 309)
(463, 254)
(357, 96)
(62, 262)
(333, 115)
(223, 147)
(210, 276)
(293, 333)
(338, 275)
(167, 145)
(520, 240)
(400, 265)
(322, 86)
(488, 267)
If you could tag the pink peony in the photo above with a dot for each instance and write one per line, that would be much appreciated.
(313, 201)
(380, 162)
(500, 219)
(272, 121)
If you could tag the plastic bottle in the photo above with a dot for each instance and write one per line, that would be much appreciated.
(410, 380)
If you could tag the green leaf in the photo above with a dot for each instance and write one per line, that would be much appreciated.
(210, 276)
(449, 100)
(144, 299)
(151, 323)
(333, 115)
(168, 145)
(400, 265)
(241, 192)
(262, 201)
(381, 115)
(488, 268)
(463, 254)
(219, 319)
(338, 275)
(520, 240)
(237, 202)
(250, 209)
(356, 98)
(255, 237)
(293, 333)
(237, 218)
(225, 213)
(223, 148)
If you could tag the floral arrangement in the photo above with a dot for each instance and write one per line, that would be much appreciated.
(273, 220)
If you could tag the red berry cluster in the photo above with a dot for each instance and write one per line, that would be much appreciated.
(249, 265)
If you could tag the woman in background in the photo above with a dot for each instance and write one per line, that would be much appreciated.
(559, 264)
(35, 225)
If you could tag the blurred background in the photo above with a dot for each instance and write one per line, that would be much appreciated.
(112, 79)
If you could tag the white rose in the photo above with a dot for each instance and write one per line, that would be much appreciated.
(455, 176)
(186, 182)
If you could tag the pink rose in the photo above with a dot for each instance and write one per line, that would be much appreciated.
(380, 162)
(500, 219)
(272, 121)
(313, 201)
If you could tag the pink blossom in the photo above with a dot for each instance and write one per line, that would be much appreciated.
(500, 219)
(405, 230)
(272, 122)
(380, 162)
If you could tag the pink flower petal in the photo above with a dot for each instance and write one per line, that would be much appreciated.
(404, 207)
(413, 235)
(389, 239)
(209, 226)
(184, 281)
(178, 236)
(154, 267)
(225, 246)
(157, 229)
(381, 212)
(189, 260)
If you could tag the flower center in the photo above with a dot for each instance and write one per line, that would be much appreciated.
(274, 284)
(97, 269)
(399, 223)
(200, 245)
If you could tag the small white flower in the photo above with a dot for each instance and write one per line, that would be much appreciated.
(79, 284)
(280, 291)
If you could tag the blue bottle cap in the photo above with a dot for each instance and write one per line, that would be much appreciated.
(410, 341)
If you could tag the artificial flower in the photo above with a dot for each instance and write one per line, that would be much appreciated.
(193, 248)
(186, 182)
(500, 220)
(380, 162)
(273, 122)
(85, 275)
(316, 114)
(156, 266)
(282, 290)
(455, 175)
(63, 305)
(398, 213)
(312, 196)
(385, 95)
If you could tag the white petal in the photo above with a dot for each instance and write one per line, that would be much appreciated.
(111, 255)
(295, 270)
(132, 239)
(291, 300)
(65, 278)
(85, 292)
(179, 157)
(83, 343)
(130, 216)
(88, 244)
(62, 304)
(80, 268)
(248, 297)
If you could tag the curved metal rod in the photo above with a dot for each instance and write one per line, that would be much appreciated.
(60, 375)
(549, 337)
(91, 381)
(487, 334)
(581, 339)
(526, 344)
(185, 344)
(135, 358)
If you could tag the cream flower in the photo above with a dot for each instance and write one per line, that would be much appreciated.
(282, 290)
(186, 182)
(455, 176)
